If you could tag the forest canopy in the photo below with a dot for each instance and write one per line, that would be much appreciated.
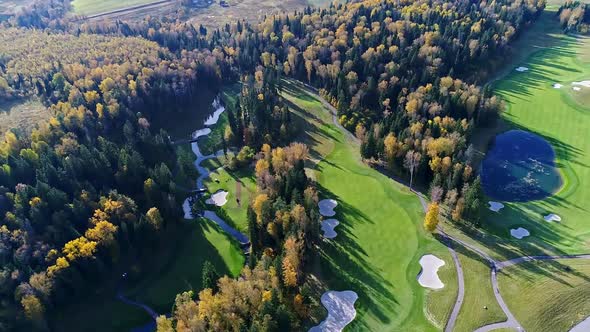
(98, 181)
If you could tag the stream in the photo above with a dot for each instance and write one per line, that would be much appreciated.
(186, 206)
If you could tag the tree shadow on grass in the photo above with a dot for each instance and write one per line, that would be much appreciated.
(343, 264)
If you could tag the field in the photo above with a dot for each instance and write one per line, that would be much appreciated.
(380, 238)
(22, 115)
(534, 105)
(249, 10)
(479, 304)
(9, 7)
(90, 7)
(548, 296)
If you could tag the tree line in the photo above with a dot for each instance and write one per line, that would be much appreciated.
(271, 293)
(574, 16)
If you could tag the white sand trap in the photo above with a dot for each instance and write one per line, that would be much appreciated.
(341, 311)
(328, 226)
(219, 198)
(552, 217)
(577, 88)
(327, 207)
(496, 206)
(584, 84)
(186, 208)
(521, 69)
(428, 276)
(557, 86)
(519, 233)
(584, 326)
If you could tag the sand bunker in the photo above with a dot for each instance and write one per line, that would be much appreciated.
(522, 69)
(328, 226)
(577, 88)
(495, 206)
(428, 276)
(519, 233)
(341, 311)
(219, 198)
(186, 208)
(552, 217)
(327, 207)
(557, 86)
(585, 84)
(584, 326)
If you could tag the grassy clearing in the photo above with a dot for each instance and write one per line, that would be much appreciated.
(235, 212)
(22, 115)
(380, 238)
(534, 105)
(548, 296)
(214, 141)
(171, 271)
(478, 294)
(90, 7)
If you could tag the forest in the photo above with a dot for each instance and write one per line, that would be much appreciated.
(97, 181)
(574, 16)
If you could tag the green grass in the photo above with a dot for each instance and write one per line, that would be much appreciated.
(90, 7)
(478, 294)
(534, 105)
(174, 270)
(235, 213)
(380, 238)
(214, 141)
(547, 296)
(203, 240)
(440, 302)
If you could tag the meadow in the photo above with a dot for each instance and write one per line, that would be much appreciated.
(548, 295)
(90, 7)
(22, 115)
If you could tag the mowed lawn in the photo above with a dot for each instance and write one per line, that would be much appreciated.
(479, 304)
(90, 7)
(380, 238)
(174, 270)
(534, 105)
(549, 295)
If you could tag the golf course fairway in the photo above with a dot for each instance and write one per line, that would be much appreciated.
(380, 239)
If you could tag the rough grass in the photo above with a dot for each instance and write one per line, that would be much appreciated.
(90, 7)
(478, 293)
(380, 238)
(548, 296)
(22, 115)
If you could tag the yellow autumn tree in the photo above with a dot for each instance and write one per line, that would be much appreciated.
(258, 204)
(33, 308)
(431, 219)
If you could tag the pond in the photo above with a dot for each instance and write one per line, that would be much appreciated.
(520, 167)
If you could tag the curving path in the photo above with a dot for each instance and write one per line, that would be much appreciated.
(496, 266)
(143, 306)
